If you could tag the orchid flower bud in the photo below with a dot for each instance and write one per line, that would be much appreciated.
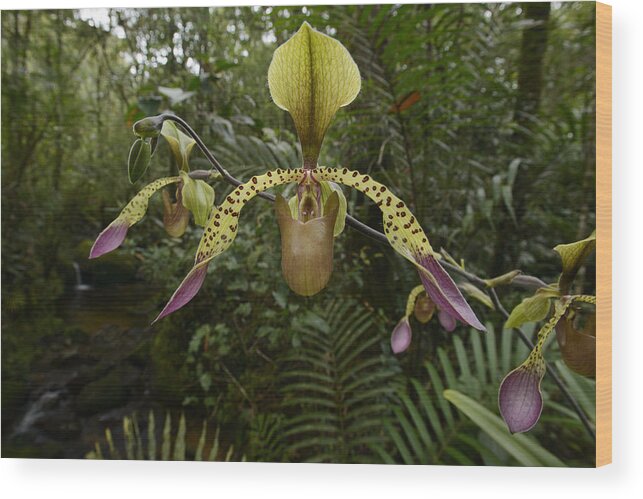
(149, 127)
(401, 336)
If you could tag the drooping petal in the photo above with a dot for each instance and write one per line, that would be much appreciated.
(447, 321)
(401, 336)
(186, 290)
(520, 400)
(445, 294)
(221, 231)
(222, 227)
(307, 247)
(408, 238)
(110, 238)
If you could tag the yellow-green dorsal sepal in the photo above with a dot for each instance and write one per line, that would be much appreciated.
(311, 76)
(573, 255)
(180, 144)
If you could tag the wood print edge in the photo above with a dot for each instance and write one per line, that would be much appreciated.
(603, 234)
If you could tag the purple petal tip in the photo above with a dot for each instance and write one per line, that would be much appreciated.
(110, 238)
(447, 321)
(401, 337)
(186, 291)
(445, 294)
(520, 400)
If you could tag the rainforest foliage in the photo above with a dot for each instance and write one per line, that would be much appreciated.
(480, 117)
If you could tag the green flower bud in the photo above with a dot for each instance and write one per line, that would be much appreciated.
(148, 127)
(140, 156)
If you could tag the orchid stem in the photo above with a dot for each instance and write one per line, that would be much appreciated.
(523, 280)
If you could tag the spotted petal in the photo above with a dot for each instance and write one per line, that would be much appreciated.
(408, 238)
(114, 234)
(221, 231)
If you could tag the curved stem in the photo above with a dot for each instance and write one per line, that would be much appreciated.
(523, 281)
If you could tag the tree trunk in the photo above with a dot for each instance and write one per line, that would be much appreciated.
(530, 86)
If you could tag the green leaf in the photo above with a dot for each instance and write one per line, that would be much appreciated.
(532, 309)
(198, 197)
(180, 144)
(311, 76)
(573, 255)
(139, 159)
(523, 448)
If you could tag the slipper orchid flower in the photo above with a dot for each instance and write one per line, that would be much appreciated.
(519, 398)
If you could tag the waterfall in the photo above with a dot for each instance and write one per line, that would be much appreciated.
(79, 279)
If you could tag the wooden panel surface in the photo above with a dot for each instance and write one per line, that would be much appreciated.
(604, 234)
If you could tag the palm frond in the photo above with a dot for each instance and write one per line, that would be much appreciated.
(172, 443)
(338, 386)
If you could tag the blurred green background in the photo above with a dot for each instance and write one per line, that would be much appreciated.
(480, 116)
